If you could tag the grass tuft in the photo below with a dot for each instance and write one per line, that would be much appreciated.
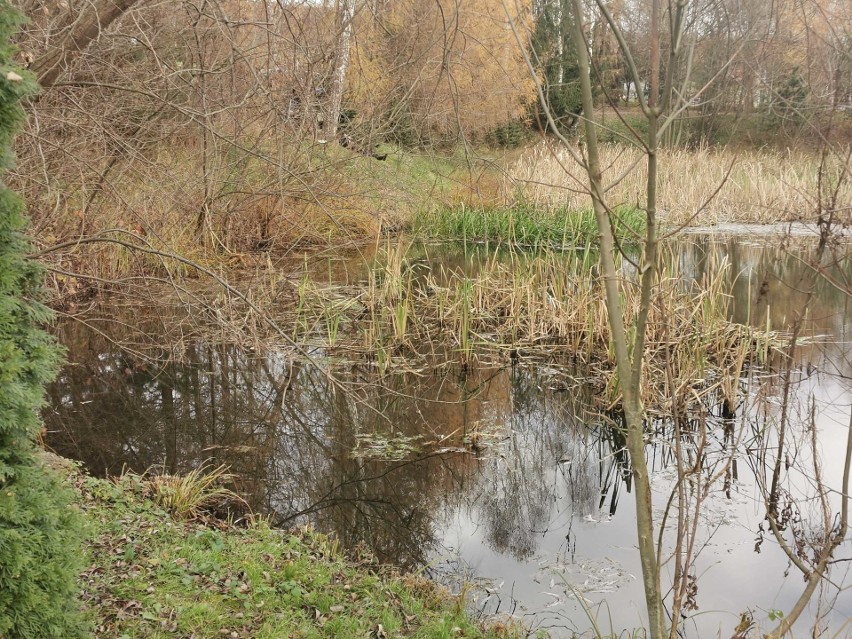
(186, 496)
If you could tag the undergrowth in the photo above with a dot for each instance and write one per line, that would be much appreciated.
(328, 196)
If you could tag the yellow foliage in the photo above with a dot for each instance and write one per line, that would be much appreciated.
(440, 66)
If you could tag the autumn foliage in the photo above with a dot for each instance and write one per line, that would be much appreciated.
(441, 70)
(205, 127)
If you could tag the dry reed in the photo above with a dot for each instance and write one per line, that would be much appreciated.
(753, 186)
(545, 305)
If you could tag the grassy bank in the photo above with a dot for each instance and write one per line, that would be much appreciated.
(526, 225)
(152, 574)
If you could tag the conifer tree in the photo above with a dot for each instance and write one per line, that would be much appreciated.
(553, 47)
(39, 526)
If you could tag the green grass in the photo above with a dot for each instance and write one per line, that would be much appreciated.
(152, 576)
(526, 225)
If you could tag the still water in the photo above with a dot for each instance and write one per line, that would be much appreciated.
(499, 474)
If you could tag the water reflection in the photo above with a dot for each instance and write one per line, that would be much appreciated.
(766, 286)
(289, 434)
(496, 466)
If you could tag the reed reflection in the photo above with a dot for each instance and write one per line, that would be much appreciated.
(385, 464)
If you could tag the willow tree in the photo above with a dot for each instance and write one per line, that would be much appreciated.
(430, 72)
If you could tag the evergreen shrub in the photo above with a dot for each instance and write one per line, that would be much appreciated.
(40, 528)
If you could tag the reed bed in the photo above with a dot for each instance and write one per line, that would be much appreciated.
(528, 226)
(547, 305)
(753, 186)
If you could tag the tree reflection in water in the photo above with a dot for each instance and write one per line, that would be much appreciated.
(289, 435)
(550, 465)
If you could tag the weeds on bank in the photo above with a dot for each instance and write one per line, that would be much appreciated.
(153, 576)
(527, 225)
(275, 199)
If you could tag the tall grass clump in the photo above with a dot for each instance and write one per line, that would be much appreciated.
(698, 187)
(40, 531)
(528, 225)
(186, 496)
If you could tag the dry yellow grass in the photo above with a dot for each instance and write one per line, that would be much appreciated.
(544, 305)
(185, 496)
(762, 187)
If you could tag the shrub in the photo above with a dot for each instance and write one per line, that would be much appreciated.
(39, 528)
(510, 135)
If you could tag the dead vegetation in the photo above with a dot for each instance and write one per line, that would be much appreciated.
(696, 187)
(542, 306)
(203, 129)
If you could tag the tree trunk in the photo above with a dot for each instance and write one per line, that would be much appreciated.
(629, 369)
(80, 30)
(347, 12)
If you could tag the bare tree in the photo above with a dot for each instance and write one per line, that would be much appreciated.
(630, 356)
(71, 31)
(347, 17)
(667, 75)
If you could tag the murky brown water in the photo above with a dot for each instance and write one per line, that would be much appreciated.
(499, 473)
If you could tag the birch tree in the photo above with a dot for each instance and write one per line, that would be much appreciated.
(346, 11)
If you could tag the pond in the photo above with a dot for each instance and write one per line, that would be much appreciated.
(504, 473)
